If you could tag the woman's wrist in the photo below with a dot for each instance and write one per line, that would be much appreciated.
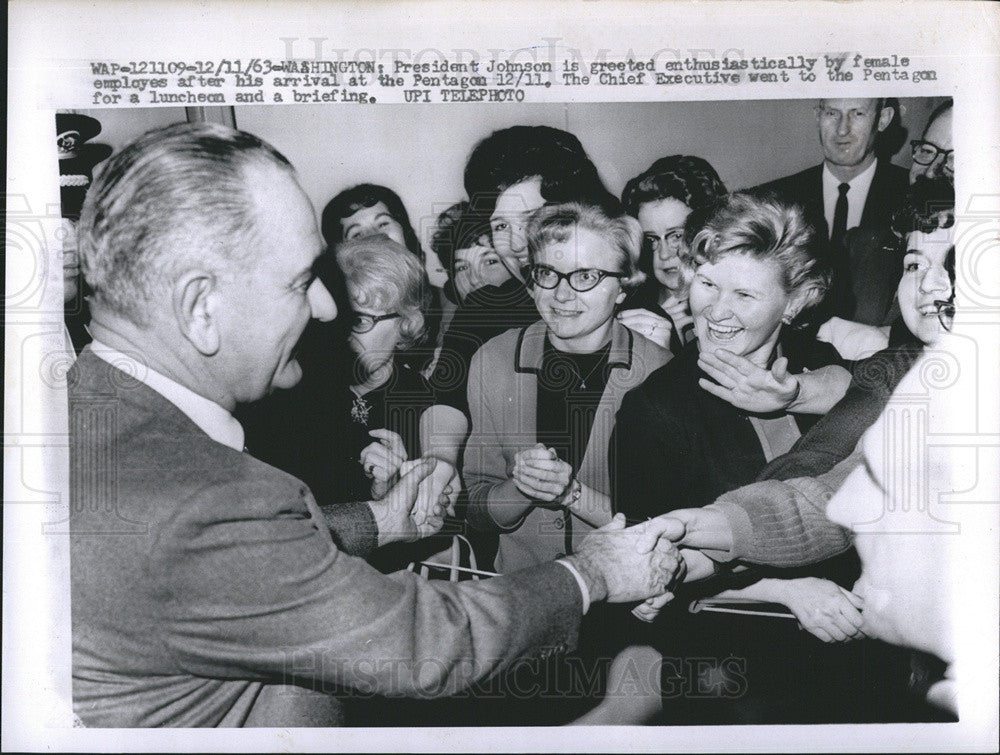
(796, 395)
(572, 494)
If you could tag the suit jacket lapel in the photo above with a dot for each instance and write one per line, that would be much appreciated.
(876, 204)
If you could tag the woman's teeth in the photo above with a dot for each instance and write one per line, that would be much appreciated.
(723, 332)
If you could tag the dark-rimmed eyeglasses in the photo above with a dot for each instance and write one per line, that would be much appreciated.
(580, 280)
(673, 239)
(362, 322)
(925, 153)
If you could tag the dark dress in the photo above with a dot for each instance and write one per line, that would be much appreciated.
(675, 445)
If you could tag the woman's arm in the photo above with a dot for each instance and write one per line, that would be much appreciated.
(495, 503)
(443, 430)
(589, 505)
(822, 607)
(746, 386)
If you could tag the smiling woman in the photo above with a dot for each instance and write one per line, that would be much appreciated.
(537, 470)
(755, 271)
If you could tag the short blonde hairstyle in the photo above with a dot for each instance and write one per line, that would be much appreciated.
(383, 274)
(764, 228)
(555, 223)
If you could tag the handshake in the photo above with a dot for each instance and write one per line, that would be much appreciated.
(622, 564)
(643, 563)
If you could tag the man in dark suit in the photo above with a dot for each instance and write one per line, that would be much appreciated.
(851, 188)
(207, 587)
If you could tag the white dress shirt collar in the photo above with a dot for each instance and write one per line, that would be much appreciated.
(856, 196)
(216, 422)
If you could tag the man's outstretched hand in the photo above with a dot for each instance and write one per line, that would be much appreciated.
(414, 507)
(622, 565)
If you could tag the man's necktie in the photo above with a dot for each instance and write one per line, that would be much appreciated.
(840, 217)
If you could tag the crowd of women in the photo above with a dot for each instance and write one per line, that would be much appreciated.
(589, 355)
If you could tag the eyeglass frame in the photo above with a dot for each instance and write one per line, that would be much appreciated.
(560, 277)
(938, 152)
(654, 241)
(356, 318)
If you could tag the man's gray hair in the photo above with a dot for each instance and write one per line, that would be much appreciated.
(175, 198)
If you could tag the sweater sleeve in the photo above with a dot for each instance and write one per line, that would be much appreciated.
(483, 466)
(784, 524)
(834, 436)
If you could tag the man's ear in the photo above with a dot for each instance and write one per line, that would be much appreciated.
(195, 310)
(885, 117)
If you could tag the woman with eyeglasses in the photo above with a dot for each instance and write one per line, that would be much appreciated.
(389, 402)
(369, 210)
(543, 397)
(923, 246)
(661, 198)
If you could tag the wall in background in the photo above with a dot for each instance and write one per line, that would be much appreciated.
(420, 150)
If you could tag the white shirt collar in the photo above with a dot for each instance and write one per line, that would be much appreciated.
(857, 195)
(216, 422)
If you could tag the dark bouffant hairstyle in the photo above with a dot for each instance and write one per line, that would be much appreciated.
(688, 179)
(458, 227)
(929, 205)
(512, 155)
(359, 197)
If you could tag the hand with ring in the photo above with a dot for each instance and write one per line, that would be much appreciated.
(652, 327)
(381, 460)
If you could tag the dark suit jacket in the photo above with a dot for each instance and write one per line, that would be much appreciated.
(207, 590)
(866, 279)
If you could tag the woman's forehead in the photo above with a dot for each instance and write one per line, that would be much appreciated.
(577, 244)
(937, 241)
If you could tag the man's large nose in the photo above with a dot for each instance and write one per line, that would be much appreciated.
(321, 303)
(936, 168)
(843, 125)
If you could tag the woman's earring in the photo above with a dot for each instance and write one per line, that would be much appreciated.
(786, 319)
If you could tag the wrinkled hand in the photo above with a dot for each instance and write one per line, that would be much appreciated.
(745, 385)
(622, 564)
(438, 494)
(539, 473)
(381, 460)
(823, 608)
(393, 514)
(650, 608)
(653, 327)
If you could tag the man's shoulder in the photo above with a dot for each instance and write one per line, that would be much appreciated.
(897, 175)
(892, 181)
(122, 430)
(792, 184)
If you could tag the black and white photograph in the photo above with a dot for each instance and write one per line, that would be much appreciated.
(522, 399)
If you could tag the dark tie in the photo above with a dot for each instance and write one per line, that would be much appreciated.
(840, 217)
